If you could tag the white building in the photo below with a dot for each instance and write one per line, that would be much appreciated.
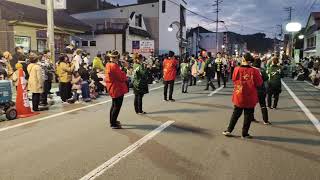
(206, 41)
(147, 20)
(312, 36)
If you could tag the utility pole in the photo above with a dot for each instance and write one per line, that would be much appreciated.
(50, 30)
(217, 10)
(289, 10)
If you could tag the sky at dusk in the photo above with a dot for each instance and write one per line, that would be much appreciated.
(246, 16)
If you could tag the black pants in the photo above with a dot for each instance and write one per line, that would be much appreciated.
(232, 70)
(44, 95)
(65, 91)
(193, 80)
(275, 95)
(138, 103)
(185, 82)
(219, 76)
(35, 101)
(115, 110)
(248, 117)
(166, 84)
(209, 82)
(263, 106)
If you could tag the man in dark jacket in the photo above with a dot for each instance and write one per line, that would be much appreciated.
(262, 92)
(15, 58)
(209, 69)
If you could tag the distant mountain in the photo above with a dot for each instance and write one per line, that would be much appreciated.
(258, 42)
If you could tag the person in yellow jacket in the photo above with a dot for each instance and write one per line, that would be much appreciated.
(97, 63)
(64, 72)
(36, 80)
(8, 57)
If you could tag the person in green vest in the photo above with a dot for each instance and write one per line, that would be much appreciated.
(185, 72)
(275, 74)
(140, 83)
(97, 62)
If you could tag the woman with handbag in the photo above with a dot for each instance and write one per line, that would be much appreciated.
(116, 82)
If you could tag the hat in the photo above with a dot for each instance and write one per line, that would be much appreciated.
(113, 54)
(19, 66)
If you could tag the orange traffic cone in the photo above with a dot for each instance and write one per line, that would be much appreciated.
(22, 101)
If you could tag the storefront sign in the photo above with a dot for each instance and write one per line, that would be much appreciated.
(143, 46)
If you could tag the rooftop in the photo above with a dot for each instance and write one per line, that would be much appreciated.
(12, 11)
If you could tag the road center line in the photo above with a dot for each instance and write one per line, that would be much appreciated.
(115, 159)
(66, 112)
(308, 113)
(215, 91)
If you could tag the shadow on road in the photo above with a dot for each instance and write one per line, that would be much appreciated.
(207, 105)
(304, 141)
(170, 111)
(292, 122)
(165, 158)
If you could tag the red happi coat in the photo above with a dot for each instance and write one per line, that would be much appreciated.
(170, 69)
(116, 80)
(246, 80)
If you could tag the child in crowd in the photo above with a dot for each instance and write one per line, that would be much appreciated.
(15, 75)
(76, 86)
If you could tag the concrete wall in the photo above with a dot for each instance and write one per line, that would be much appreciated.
(6, 39)
(104, 42)
(168, 40)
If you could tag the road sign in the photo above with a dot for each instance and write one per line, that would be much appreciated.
(60, 4)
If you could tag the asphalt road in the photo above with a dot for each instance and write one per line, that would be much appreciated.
(72, 141)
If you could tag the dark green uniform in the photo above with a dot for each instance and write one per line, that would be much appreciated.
(275, 74)
(140, 85)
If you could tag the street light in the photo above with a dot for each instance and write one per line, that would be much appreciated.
(170, 28)
(293, 27)
(301, 36)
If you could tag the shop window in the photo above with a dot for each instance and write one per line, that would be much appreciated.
(41, 45)
(93, 43)
(23, 41)
(84, 44)
(139, 20)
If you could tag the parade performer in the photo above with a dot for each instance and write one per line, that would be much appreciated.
(169, 75)
(116, 82)
(246, 79)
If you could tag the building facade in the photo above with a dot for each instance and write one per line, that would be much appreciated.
(200, 39)
(312, 36)
(157, 15)
(25, 25)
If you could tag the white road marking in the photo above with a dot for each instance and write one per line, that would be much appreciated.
(308, 113)
(115, 159)
(66, 112)
(215, 91)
